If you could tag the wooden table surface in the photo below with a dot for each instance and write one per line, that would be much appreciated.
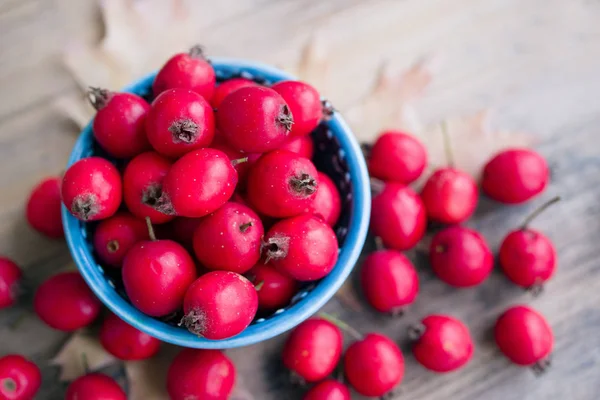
(536, 62)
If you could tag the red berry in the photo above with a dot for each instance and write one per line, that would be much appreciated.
(187, 71)
(10, 276)
(443, 344)
(301, 145)
(95, 386)
(119, 123)
(242, 168)
(228, 87)
(116, 235)
(515, 175)
(198, 183)
(328, 390)
(182, 231)
(303, 247)
(397, 157)
(398, 216)
(389, 281)
(200, 374)
(282, 184)
(229, 239)
(65, 302)
(92, 189)
(43, 208)
(156, 275)
(460, 257)
(313, 349)
(374, 365)
(254, 119)
(126, 342)
(20, 379)
(180, 121)
(219, 304)
(524, 336)
(527, 257)
(305, 104)
(450, 196)
(275, 290)
(143, 186)
(327, 203)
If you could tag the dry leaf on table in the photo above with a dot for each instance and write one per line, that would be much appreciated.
(80, 349)
(147, 378)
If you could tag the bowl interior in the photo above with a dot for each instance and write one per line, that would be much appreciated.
(336, 153)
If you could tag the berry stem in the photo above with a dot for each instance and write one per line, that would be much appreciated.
(197, 51)
(259, 285)
(98, 97)
(285, 118)
(447, 145)
(378, 243)
(416, 331)
(150, 229)
(239, 161)
(85, 363)
(538, 211)
(245, 227)
(9, 385)
(328, 109)
(377, 186)
(342, 325)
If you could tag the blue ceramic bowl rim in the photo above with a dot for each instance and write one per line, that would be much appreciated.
(277, 324)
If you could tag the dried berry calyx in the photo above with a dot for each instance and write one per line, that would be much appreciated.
(154, 197)
(276, 247)
(197, 51)
(285, 118)
(98, 97)
(304, 184)
(184, 131)
(85, 207)
(194, 321)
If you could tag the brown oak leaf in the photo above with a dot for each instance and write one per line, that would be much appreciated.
(81, 351)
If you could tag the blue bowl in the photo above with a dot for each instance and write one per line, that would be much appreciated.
(336, 153)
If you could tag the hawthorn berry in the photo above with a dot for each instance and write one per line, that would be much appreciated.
(397, 157)
(450, 196)
(95, 386)
(274, 289)
(114, 237)
(305, 105)
(329, 389)
(43, 208)
(126, 342)
(301, 145)
(10, 276)
(327, 203)
(20, 379)
(226, 88)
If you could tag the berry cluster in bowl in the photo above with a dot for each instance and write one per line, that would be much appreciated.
(215, 204)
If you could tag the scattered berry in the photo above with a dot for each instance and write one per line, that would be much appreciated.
(303, 247)
(254, 119)
(442, 343)
(389, 281)
(226, 88)
(327, 203)
(116, 235)
(92, 189)
(301, 145)
(305, 105)
(119, 124)
(460, 256)
(313, 349)
(65, 302)
(95, 386)
(374, 365)
(126, 342)
(398, 216)
(450, 196)
(219, 305)
(275, 290)
(397, 157)
(187, 71)
(20, 379)
(10, 276)
(200, 374)
(43, 208)
(328, 390)
(229, 239)
(515, 176)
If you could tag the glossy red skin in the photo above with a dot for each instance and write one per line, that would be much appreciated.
(397, 157)
(145, 174)
(313, 349)
(126, 342)
(200, 374)
(242, 168)
(223, 301)
(389, 281)
(182, 230)
(116, 235)
(270, 188)
(96, 181)
(187, 72)
(301, 145)
(95, 386)
(527, 257)
(10, 276)
(460, 257)
(309, 247)
(374, 365)
(515, 176)
(328, 390)
(305, 104)
(156, 275)
(65, 302)
(228, 87)
(200, 182)
(221, 244)
(327, 203)
(398, 217)
(450, 196)
(23, 374)
(172, 107)
(445, 345)
(119, 126)
(247, 119)
(276, 289)
(523, 335)
(43, 208)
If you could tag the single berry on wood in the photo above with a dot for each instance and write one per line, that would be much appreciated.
(20, 379)
(95, 386)
(275, 289)
(301, 145)
(329, 389)
(43, 208)
(327, 203)
(126, 342)
(10, 276)
(397, 157)
(305, 105)
(114, 237)
(229, 86)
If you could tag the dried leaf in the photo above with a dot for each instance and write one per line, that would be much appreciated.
(147, 378)
(80, 349)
